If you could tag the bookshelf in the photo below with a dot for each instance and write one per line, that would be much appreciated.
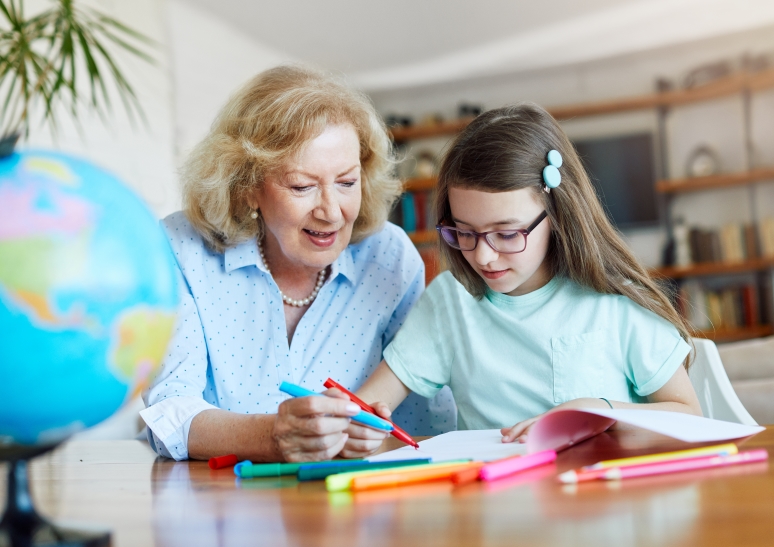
(714, 268)
(741, 83)
(736, 334)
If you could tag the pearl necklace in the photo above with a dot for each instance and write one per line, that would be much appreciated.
(286, 299)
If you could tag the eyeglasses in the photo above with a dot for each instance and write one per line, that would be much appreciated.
(506, 241)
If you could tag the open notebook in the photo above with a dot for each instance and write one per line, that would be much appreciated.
(564, 428)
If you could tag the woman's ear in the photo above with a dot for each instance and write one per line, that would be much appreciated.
(253, 199)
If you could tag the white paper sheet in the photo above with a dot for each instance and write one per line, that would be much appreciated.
(684, 427)
(482, 445)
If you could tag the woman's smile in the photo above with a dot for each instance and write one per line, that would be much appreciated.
(321, 239)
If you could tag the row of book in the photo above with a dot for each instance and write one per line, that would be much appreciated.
(730, 307)
(414, 212)
(731, 243)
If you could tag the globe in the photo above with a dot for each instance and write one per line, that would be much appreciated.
(87, 296)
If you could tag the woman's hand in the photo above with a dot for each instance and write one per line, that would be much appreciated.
(520, 431)
(313, 428)
(364, 441)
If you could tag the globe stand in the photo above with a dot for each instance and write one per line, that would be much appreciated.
(22, 526)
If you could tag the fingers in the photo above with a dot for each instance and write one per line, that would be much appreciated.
(333, 392)
(359, 431)
(314, 449)
(359, 448)
(314, 406)
(518, 431)
(382, 410)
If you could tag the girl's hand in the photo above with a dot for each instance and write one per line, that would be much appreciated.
(313, 428)
(520, 431)
(363, 440)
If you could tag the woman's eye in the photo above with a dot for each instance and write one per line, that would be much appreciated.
(301, 188)
(507, 236)
(348, 183)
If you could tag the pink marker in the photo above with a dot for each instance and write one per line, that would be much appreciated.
(509, 466)
(749, 456)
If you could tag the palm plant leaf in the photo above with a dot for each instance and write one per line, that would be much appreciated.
(43, 59)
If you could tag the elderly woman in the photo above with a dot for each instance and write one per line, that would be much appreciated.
(290, 273)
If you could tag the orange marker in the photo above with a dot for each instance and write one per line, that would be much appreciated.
(385, 480)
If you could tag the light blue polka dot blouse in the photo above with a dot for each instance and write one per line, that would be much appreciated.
(230, 346)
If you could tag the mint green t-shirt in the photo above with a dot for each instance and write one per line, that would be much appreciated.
(509, 358)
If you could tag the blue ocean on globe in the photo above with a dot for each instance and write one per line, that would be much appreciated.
(88, 294)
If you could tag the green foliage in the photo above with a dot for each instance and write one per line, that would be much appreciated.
(43, 59)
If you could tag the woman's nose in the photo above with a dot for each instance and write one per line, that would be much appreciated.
(328, 207)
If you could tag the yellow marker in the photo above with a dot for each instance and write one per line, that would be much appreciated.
(724, 449)
(343, 481)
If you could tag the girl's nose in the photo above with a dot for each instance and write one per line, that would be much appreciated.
(483, 253)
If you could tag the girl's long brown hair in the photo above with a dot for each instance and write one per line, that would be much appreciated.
(504, 150)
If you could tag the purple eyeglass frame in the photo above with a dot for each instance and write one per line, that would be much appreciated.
(485, 235)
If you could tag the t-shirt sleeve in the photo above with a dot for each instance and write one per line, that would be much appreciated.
(420, 354)
(653, 348)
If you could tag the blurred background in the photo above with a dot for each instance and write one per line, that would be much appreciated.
(669, 102)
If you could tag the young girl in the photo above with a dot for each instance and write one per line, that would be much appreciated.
(544, 306)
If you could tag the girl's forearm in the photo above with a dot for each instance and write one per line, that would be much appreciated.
(383, 386)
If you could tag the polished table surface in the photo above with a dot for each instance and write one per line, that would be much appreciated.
(146, 500)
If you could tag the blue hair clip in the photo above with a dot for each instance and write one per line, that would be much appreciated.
(551, 175)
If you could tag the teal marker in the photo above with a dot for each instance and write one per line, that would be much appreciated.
(318, 471)
(363, 417)
(249, 470)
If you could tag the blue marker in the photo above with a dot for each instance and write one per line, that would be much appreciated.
(362, 417)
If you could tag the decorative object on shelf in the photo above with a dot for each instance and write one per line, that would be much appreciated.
(426, 165)
(429, 120)
(396, 120)
(39, 59)
(682, 243)
(469, 110)
(703, 161)
(664, 84)
(708, 73)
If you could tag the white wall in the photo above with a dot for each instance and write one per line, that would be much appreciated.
(142, 156)
(210, 60)
(717, 123)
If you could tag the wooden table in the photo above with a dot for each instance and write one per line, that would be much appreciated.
(147, 501)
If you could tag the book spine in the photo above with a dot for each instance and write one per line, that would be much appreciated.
(409, 212)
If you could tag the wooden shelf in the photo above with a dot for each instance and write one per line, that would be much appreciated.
(726, 334)
(674, 186)
(714, 268)
(419, 185)
(736, 83)
(424, 236)
(403, 134)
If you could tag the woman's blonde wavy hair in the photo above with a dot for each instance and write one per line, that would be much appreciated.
(504, 150)
(264, 125)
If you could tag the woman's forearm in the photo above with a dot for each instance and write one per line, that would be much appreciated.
(218, 432)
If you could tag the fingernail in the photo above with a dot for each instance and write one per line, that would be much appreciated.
(352, 408)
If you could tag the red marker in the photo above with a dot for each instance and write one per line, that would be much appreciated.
(398, 433)
(223, 461)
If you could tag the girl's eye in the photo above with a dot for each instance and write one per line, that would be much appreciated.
(465, 236)
(508, 236)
